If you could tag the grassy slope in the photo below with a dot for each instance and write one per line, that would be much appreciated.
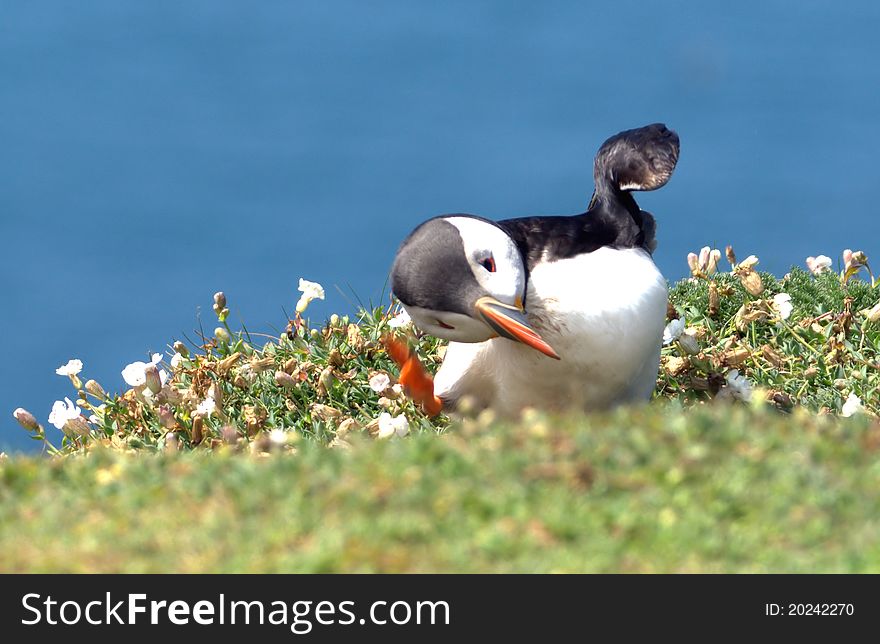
(718, 488)
(687, 484)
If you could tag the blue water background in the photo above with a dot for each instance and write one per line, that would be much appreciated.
(152, 153)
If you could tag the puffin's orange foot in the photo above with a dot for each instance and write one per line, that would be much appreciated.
(416, 381)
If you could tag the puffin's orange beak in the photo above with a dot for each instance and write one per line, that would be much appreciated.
(510, 322)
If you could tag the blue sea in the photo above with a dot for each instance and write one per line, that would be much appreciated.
(152, 153)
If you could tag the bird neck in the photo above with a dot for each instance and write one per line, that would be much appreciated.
(613, 200)
(618, 215)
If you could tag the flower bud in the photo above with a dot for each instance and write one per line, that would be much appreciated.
(229, 435)
(215, 392)
(181, 348)
(76, 427)
(197, 430)
(675, 365)
(325, 412)
(752, 282)
(153, 381)
(334, 320)
(226, 364)
(171, 442)
(259, 365)
(347, 426)
(219, 301)
(325, 381)
(714, 299)
(166, 417)
(712, 265)
(873, 314)
(689, 343)
(731, 256)
(254, 416)
(704, 258)
(284, 379)
(26, 419)
(222, 335)
(385, 403)
(96, 389)
(355, 338)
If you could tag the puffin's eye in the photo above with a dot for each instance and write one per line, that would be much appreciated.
(488, 264)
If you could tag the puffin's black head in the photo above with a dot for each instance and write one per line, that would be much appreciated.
(462, 278)
(639, 159)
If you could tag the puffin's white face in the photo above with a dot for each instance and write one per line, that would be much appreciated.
(455, 327)
(462, 278)
(494, 259)
(494, 267)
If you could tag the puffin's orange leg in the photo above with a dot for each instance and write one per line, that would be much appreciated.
(416, 381)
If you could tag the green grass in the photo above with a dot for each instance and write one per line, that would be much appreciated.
(645, 490)
(285, 472)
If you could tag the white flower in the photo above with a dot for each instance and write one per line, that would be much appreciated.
(782, 304)
(380, 382)
(739, 385)
(390, 425)
(673, 331)
(278, 437)
(818, 264)
(61, 413)
(134, 375)
(207, 407)
(310, 291)
(400, 319)
(853, 405)
(72, 368)
(749, 262)
(176, 359)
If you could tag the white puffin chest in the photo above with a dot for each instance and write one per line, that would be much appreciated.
(603, 312)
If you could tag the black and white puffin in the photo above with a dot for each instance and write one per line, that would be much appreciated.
(548, 312)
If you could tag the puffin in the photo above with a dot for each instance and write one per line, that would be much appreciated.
(547, 312)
